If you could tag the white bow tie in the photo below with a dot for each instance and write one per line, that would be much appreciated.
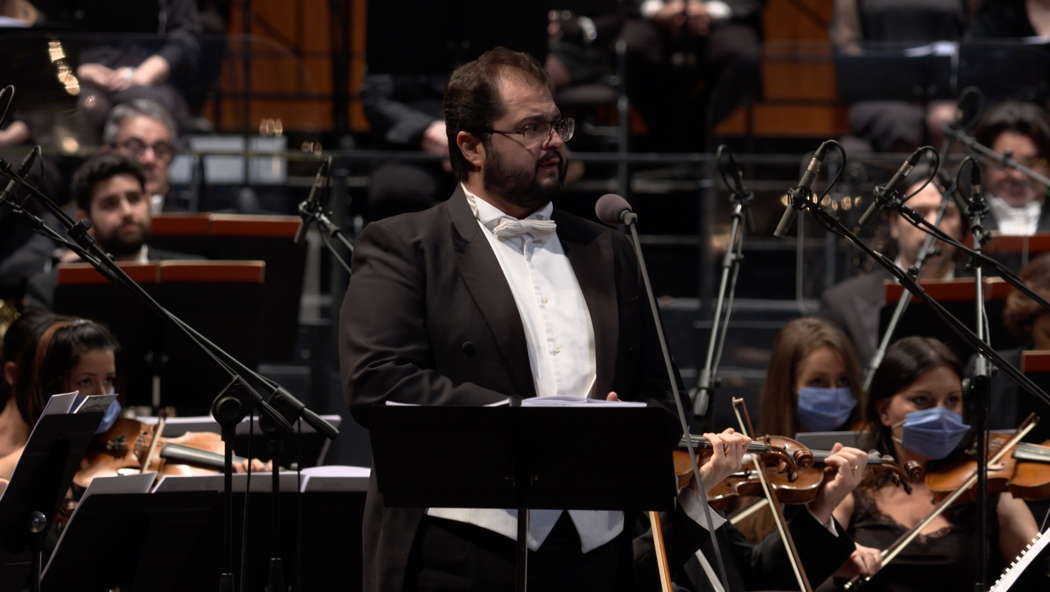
(511, 228)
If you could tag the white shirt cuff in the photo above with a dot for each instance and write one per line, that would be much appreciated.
(829, 525)
(691, 501)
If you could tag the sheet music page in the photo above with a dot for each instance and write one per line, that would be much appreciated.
(574, 402)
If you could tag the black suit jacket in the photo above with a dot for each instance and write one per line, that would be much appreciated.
(429, 318)
(854, 305)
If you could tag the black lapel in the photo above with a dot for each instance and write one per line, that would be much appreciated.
(590, 252)
(484, 278)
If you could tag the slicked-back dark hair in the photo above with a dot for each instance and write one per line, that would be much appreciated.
(99, 168)
(472, 100)
(1019, 117)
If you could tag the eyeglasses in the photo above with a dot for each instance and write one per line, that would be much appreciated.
(136, 148)
(537, 132)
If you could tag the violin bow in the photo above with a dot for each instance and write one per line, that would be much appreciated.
(158, 429)
(661, 552)
(889, 553)
(744, 420)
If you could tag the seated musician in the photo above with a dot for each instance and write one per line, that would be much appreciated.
(823, 546)
(1021, 130)
(1026, 319)
(854, 304)
(110, 192)
(914, 411)
(52, 354)
(813, 383)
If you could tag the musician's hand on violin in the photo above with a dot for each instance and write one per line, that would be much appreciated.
(845, 469)
(258, 466)
(727, 454)
(864, 561)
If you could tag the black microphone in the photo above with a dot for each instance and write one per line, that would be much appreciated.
(312, 200)
(976, 207)
(802, 190)
(23, 170)
(733, 177)
(883, 190)
(614, 209)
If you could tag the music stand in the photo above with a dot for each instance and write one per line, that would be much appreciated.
(27, 507)
(240, 236)
(222, 298)
(515, 457)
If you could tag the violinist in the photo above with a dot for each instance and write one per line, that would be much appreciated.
(56, 354)
(822, 543)
(915, 412)
(813, 381)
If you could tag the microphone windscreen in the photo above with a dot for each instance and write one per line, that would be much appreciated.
(609, 207)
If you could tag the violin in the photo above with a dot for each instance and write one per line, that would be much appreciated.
(130, 446)
(1024, 470)
(793, 470)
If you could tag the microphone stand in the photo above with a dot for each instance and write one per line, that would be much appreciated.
(630, 219)
(978, 386)
(926, 251)
(313, 212)
(703, 394)
(233, 403)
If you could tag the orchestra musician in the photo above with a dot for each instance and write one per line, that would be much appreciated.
(854, 304)
(915, 412)
(813, 382)
(45, 354)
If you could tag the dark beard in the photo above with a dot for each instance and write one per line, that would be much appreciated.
(520, 188)
(121, 248)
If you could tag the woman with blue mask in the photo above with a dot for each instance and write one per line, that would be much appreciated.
(813, 380)
(915, 413)
(55, 354)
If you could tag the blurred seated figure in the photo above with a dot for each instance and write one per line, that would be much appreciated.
(896, 126)
(122, 70)
(582, 35)
(404, 112)
(854, 304)
(145, 131)
(1021, 130)
(1026, 319)
(15, 14)
(1011, 18)
(691, 63)
(109, 190)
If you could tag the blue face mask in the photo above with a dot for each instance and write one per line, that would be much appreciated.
(110, 416)
(824, 409)
(934, 432)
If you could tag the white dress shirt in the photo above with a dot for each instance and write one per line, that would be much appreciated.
(559, 338)
(1018, 221)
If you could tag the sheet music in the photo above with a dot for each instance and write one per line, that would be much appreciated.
(574, 402)
(1021, 562)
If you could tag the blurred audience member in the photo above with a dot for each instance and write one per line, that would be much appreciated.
(125, 70)
(897, 126)
(581, 43)
(404, 112)
(1021, 130)
(15, 14)
(854, 304)
(143, 130)
(692, 63)
(1011, 18)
